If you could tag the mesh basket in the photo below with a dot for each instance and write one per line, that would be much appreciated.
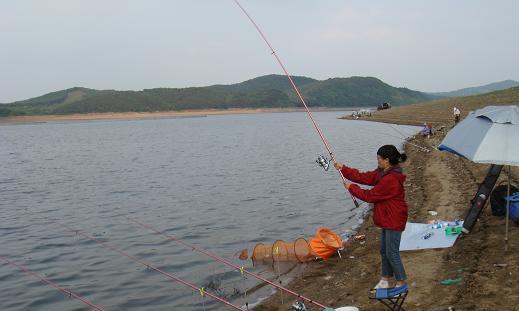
(281, 251)
(324, 244)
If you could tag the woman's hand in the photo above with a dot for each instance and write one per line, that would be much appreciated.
(338, 165)
(347, 185)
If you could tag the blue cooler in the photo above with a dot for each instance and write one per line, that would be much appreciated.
(514, 206)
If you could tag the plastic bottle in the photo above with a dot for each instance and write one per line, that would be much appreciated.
(437, 225)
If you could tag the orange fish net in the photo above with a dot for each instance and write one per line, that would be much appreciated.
(323, 245)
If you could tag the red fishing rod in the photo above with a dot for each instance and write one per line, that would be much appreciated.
(201, 290)
(273, 52)
(64, 290)
(226, 262)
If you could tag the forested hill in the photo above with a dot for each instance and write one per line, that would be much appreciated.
(260, 92)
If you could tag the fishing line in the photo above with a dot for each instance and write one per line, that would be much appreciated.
(242, 270)
(202, 291)
(43, 279)
(394, 127)
(273, 52)
(404, 139)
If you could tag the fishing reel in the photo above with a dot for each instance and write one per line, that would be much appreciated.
(323, 162)
(299, 306)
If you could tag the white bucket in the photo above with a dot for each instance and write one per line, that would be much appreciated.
(347, 309)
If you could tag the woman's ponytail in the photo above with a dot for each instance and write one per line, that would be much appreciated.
(390, 152)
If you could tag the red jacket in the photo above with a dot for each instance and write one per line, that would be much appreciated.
(388, 195)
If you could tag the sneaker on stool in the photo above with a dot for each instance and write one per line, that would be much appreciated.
(380, 284)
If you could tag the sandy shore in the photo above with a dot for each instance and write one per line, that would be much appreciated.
(443, 183)
(149, 115)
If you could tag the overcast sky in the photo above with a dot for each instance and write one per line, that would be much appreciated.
(441, 45)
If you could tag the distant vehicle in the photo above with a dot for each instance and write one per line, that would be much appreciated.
(384, 106)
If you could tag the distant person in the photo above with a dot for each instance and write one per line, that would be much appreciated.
(456, 113)
(430, 130)
(427, 130)
(390, 209)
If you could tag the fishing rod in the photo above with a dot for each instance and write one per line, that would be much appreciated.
(226, 262)
(273, 52)
(422, 148)
(43, 279)
(394, 127)
(402, 138)
(203, 292)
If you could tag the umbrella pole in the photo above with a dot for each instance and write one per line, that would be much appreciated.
(507, 210)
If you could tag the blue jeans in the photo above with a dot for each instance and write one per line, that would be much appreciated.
(390, 252)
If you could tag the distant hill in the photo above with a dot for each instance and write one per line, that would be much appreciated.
(496, 86)
(274, 82)
(358, 92)
(261, 92)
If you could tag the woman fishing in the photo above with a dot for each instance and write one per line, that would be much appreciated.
(390, 209)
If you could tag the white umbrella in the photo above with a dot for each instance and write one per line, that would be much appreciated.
(488, 135)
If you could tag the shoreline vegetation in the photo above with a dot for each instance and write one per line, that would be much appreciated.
(436, 181)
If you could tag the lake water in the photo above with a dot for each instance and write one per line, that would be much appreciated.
(223, 183)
